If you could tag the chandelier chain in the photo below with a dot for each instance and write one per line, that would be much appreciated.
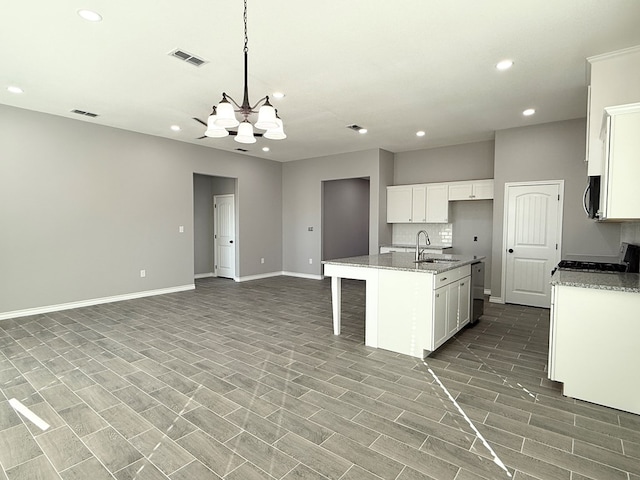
(246, 38)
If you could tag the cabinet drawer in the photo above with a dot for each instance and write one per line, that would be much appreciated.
(445, 278)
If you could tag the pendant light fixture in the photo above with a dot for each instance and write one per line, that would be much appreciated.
(223, 117)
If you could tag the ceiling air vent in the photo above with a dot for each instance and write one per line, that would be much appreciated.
(241, 150)
(86, 114)
(187, 57)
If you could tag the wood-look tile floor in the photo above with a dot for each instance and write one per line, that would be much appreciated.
(246, 381)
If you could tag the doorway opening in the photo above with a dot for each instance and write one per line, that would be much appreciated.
(205, 188)
(345, 218)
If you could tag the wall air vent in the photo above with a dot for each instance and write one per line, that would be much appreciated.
(86, 114)
(187, 57)
(241, 150)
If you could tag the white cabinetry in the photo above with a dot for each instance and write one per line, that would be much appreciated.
(437, 195)
(614, 81)
(428, 203)
(451, 302)
(399, 204)
(593, 345)
(471, 190)
(619, 193)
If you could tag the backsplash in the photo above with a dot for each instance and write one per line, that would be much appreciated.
(405, 233)
(630, 232)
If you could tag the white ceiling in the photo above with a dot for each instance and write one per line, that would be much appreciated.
(394, 67)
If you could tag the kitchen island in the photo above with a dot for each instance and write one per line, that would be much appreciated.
(593, 337)
(411, 308)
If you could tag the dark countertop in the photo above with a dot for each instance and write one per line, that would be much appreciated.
(405, 261)
(621, 282)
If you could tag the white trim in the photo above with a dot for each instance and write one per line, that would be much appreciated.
(303, 275)
(496, 300)
(94, 301)
(204, 275)
(560, 184)
(259, 276)
(487, 291)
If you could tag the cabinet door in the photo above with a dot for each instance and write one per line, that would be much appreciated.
(440, 313)
(452, 309)
(399, 204)
(622, 167)
(419, 204)
(460, 191)
(438, 203)
(464, 302)
(483, 190)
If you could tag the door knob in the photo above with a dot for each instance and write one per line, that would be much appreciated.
(230, 241)
(510, 250)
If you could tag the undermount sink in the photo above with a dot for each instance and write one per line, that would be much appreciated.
(435, 260)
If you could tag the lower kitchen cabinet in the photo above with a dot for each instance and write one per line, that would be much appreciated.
(451, 305)
(593, 345)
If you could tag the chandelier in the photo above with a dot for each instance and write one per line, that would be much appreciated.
(223, 116)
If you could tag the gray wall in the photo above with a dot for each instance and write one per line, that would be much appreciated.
(86, 207)
(345, 218)
(202, 224)
(387, 164)
(204, 189)
(473, 219)
(469, 161)
(550, 151)
(302, 204)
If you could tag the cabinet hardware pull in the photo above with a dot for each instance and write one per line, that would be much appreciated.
(443, 279)
(462, 284)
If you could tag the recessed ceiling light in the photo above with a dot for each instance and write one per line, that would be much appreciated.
(14, 89)
(504, 64)
(363, 131)
(175, 128)
(528, 112)
(278, 95)
(89, 15)
(265, 149)
(420, 133)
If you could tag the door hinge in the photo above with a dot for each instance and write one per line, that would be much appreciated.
(556, 246)
(558, 197)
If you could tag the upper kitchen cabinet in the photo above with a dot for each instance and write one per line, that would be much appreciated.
(619, 194)
(437, 203)
(425, 203)
(471, 190)
(614, 81)
(399, 204)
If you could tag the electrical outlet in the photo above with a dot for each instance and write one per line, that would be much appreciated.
(262, 260)
(310, 229)
(143, 273)
(475, 239)
(181, 229)
(311, 261)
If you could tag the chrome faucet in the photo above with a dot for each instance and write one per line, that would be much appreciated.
(418, 251)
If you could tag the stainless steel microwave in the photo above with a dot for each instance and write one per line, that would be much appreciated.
(592, 197)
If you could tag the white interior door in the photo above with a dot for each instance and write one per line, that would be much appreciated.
(532, 241)
(224, 231)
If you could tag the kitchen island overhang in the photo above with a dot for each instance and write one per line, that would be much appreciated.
(411, 308)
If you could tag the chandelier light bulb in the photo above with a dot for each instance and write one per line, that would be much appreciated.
(245, 133)
(214, 131)
(276, 133)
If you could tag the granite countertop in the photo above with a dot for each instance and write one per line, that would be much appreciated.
(427, 247)
(621, 282)
(405, 261)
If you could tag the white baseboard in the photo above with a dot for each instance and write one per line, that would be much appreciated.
(204, 275)
(94, 301)
(303, 275)
(259, 276)
(487, 291)
(496, 300)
